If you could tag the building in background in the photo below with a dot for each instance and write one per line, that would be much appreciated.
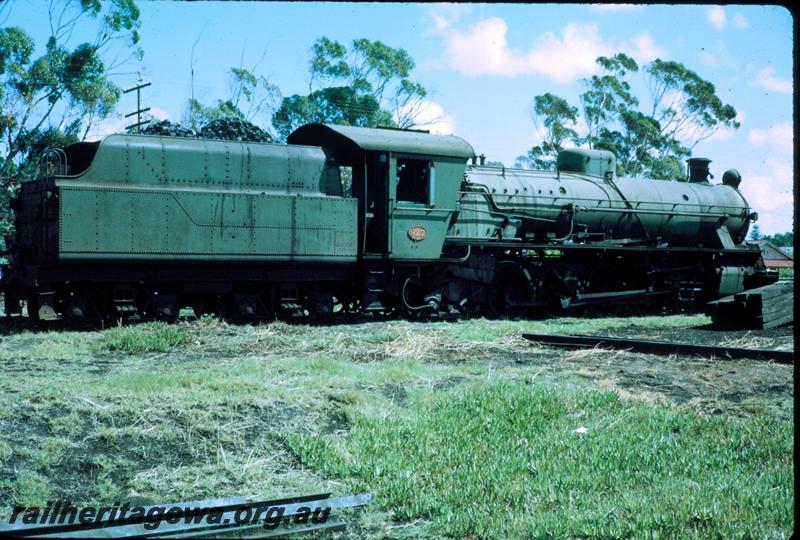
(774, 256)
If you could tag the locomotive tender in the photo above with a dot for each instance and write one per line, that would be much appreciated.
(141, 226)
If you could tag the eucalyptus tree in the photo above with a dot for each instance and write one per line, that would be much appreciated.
(365, 84)
(52, 95)
(251, 98)
(649, 139)
(552, 116)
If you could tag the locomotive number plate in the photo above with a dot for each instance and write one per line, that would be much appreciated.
(417, 233)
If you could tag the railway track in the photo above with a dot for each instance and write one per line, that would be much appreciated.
(663, 347)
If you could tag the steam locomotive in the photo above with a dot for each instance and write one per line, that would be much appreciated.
(355, 219)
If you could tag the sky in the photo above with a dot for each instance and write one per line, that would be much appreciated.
(483, 64)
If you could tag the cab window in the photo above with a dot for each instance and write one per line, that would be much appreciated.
(413, 181)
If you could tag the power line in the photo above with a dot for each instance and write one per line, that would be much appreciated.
(138, 112)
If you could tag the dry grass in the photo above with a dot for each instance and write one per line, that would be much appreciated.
(748, 341)
(201, 408)
(373, 342)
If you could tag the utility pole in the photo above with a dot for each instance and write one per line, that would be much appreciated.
(138, 112)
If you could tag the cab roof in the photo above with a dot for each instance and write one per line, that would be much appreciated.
(349, 139)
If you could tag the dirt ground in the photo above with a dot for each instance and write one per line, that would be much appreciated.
(712, 386)
(781, 338)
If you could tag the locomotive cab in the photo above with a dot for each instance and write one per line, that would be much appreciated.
(406, 182)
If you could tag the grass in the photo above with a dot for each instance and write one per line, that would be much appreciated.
(373, 341)
(151, 337)
(504, 460)
(427, 416)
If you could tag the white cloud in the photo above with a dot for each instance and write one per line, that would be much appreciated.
(780, 137)
(769, 192)
(725, 133)
(740, 22)
(614, 8)
(159, 114)
(445, 15)
(112, 124)
(767, 80)
(431, 115)
(118, 123)
(483, 49)
(717, 17)
(568, 56)
(645, 49)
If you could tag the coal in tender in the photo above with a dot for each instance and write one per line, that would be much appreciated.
(233, 129)
(167, 128)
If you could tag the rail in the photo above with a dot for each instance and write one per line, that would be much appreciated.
(663, 347)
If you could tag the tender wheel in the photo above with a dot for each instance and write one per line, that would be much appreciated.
(32, 307)
(167, 307)
(98, 304)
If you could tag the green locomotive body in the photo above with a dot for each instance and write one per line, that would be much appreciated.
(144, 197)
(692, 213)
(369, 220)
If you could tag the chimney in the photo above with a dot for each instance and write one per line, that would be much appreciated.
(698, 169)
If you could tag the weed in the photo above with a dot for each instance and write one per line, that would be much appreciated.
(508, 459)
(150, 337)
(30, 489)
